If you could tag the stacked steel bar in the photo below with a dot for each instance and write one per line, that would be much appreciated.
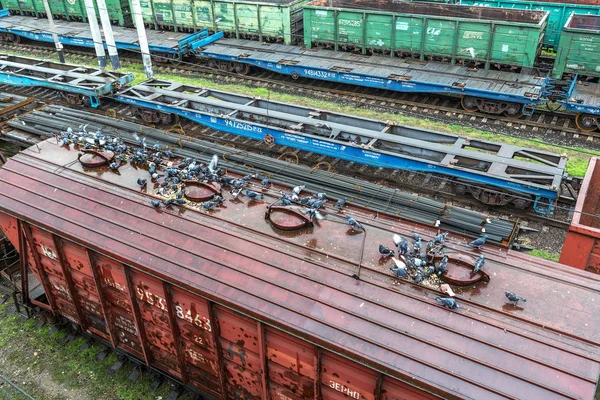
(52, 119)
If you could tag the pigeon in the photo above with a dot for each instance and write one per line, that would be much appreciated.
(253, 195)
(447, 302)
(354, 224)
(418, 277)
(441, 238)
(513, 298)
(155, 203)
(479, 242)
(114, 166)
(417, 245)
(180, 201)
(180, 194)
(298, 189)
(313, 213)
(209, 205)
(235, 193)
(416, 237)
(142, 182)
(417, 262)
(401, 244)
(399, 272)
(442, 266)
(265, 183)
(340, 203)
(384, 251)
(429, 270)
(214, 164)
(319, 203)
(479, 263)
(320, 196)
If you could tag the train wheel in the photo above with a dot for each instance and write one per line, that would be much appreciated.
(16, 39)
(73, 99)
(513, 111)
(586, 122)
(241, 69)
(175, 61)
(469, 104)
(521, 204)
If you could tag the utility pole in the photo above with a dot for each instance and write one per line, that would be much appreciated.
(108, 35)
(142, 39)
(57, 43)
(96, 36)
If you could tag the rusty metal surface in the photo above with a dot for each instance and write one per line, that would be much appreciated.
(582, 244)
(212, 275)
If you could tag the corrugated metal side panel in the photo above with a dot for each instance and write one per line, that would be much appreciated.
(239, 342)
(152, 304)
(343, 379)
(392, 389)
(196, 334)
(120, 312)
(9, 225)
(51, 267)
(291, 366)
(86, 292)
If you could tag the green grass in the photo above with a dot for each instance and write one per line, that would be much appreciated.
(64, 363)
(548, 255)
(578, 158)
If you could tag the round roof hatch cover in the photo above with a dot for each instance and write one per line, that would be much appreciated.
(95, 158)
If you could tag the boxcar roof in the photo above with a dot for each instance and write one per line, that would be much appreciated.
(302, 282)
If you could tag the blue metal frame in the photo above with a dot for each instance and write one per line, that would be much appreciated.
(577, 107)
(4, 12)
(378, 82)
(332, 147)
(184, 46)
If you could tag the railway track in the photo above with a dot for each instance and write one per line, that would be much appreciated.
(553, 126)
(438, 187)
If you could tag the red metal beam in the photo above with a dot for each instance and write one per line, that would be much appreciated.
(176, 334)
(215, 331)
(38, 266)
(23, 264)
(137, 318)
(378, 386)
(318, 374)
(103, 305)
(62, 261)
(262, 353)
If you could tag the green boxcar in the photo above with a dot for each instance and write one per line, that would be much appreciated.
(579, 47)
(429, 31)
(276, 20)
(559, 13)
(72, 10)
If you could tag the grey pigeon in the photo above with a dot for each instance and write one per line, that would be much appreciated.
(429, 270)
(142, 182)
(209, 205)
(477, 243)
(417, 245)
(442, 266)
(354, 224)
(479, 263)
(513, 298)
(384, 251)
(114, 166)
(320, 196)
(180, 201)
(399, 272)
(401, 244)
(441, 238)
(448, 302)
(155, 203)
(416, 237)
(265, 183)
(253, 195)
(340, 203)
(418, 277)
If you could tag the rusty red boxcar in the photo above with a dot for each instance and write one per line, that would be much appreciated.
(238, 309)
(582, 245)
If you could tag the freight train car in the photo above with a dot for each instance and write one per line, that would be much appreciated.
(267, 20)
(228, 303)
(579, 47)
(119, 11)
(479, 35)
(559, 13)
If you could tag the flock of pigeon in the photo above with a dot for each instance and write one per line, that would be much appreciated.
(161, 162)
